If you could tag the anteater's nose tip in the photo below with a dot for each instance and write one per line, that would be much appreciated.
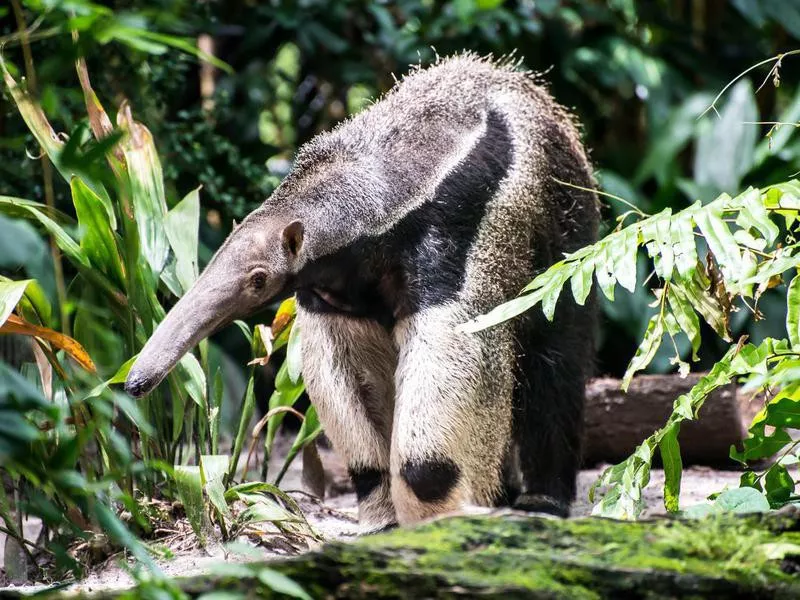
(137, 384)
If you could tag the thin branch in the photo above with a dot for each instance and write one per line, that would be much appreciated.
(776, 59)
(627, 203)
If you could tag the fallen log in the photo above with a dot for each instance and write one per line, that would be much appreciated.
(616, 422)
(523, 556)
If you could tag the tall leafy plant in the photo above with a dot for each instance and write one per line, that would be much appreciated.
(709, 262)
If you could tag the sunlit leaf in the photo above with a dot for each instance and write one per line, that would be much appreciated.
(14, 324)
(181, 224)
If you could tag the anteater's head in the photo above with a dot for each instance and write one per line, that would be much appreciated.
(255, 264)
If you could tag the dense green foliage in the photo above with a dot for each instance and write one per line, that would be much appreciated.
(101, 236)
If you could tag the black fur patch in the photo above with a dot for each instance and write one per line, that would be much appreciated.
(538, 503)
(431, 480)
(421, 261)
(366, 480)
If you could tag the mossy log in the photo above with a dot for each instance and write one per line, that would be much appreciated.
(521, 556)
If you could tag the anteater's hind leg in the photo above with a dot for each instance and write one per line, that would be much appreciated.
(348, 368)
(553, 362)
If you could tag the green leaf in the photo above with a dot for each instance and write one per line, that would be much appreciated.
(684, 247)
(753, 215)
(182, 227)
(793, 312)
(189, 482)
(658, 236)
(686, 316)
(11, 293)
(742, 501)
(248, 406)
(278, 582)
(13, 206)
(309, 431)
(779, 485)
(623, 255)
(146, 182)
(581, 281)
(194, 380)
(212, 469)
(720, 240)
(673, 467)
(646, 350)
(97, 235)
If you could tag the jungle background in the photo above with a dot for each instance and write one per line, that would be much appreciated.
(637, 75)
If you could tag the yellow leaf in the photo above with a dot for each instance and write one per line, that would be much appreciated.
(15, 324)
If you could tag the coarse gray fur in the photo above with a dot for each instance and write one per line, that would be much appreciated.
(429, 420)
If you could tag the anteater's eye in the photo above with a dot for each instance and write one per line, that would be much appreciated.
(258, 280)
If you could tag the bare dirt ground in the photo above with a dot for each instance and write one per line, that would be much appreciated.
(335, 519)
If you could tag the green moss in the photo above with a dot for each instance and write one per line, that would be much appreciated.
(528, 557)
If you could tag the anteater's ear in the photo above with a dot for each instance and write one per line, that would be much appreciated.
(293, 237)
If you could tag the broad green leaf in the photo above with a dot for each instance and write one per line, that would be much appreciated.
(10, 294)
(673, 467)
(553, 290)
(190, 491)
(278, 582)
(760, 445)
(195, 380)
(261, 509)
(658, 238)
(182, 227)
(646, 350)
(499, 314)
(212, 469)
(783, 411)
(742, 500)
(147, 189)
(779, 485)
(97, 236)
(28, 210)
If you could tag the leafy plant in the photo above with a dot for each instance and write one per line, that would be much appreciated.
(127, 253)
(710, 261)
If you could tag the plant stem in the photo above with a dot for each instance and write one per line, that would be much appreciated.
(47, 170)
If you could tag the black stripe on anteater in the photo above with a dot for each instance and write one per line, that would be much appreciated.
(421, 261)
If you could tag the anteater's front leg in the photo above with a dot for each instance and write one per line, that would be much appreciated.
(452, 414)
(348, 367)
